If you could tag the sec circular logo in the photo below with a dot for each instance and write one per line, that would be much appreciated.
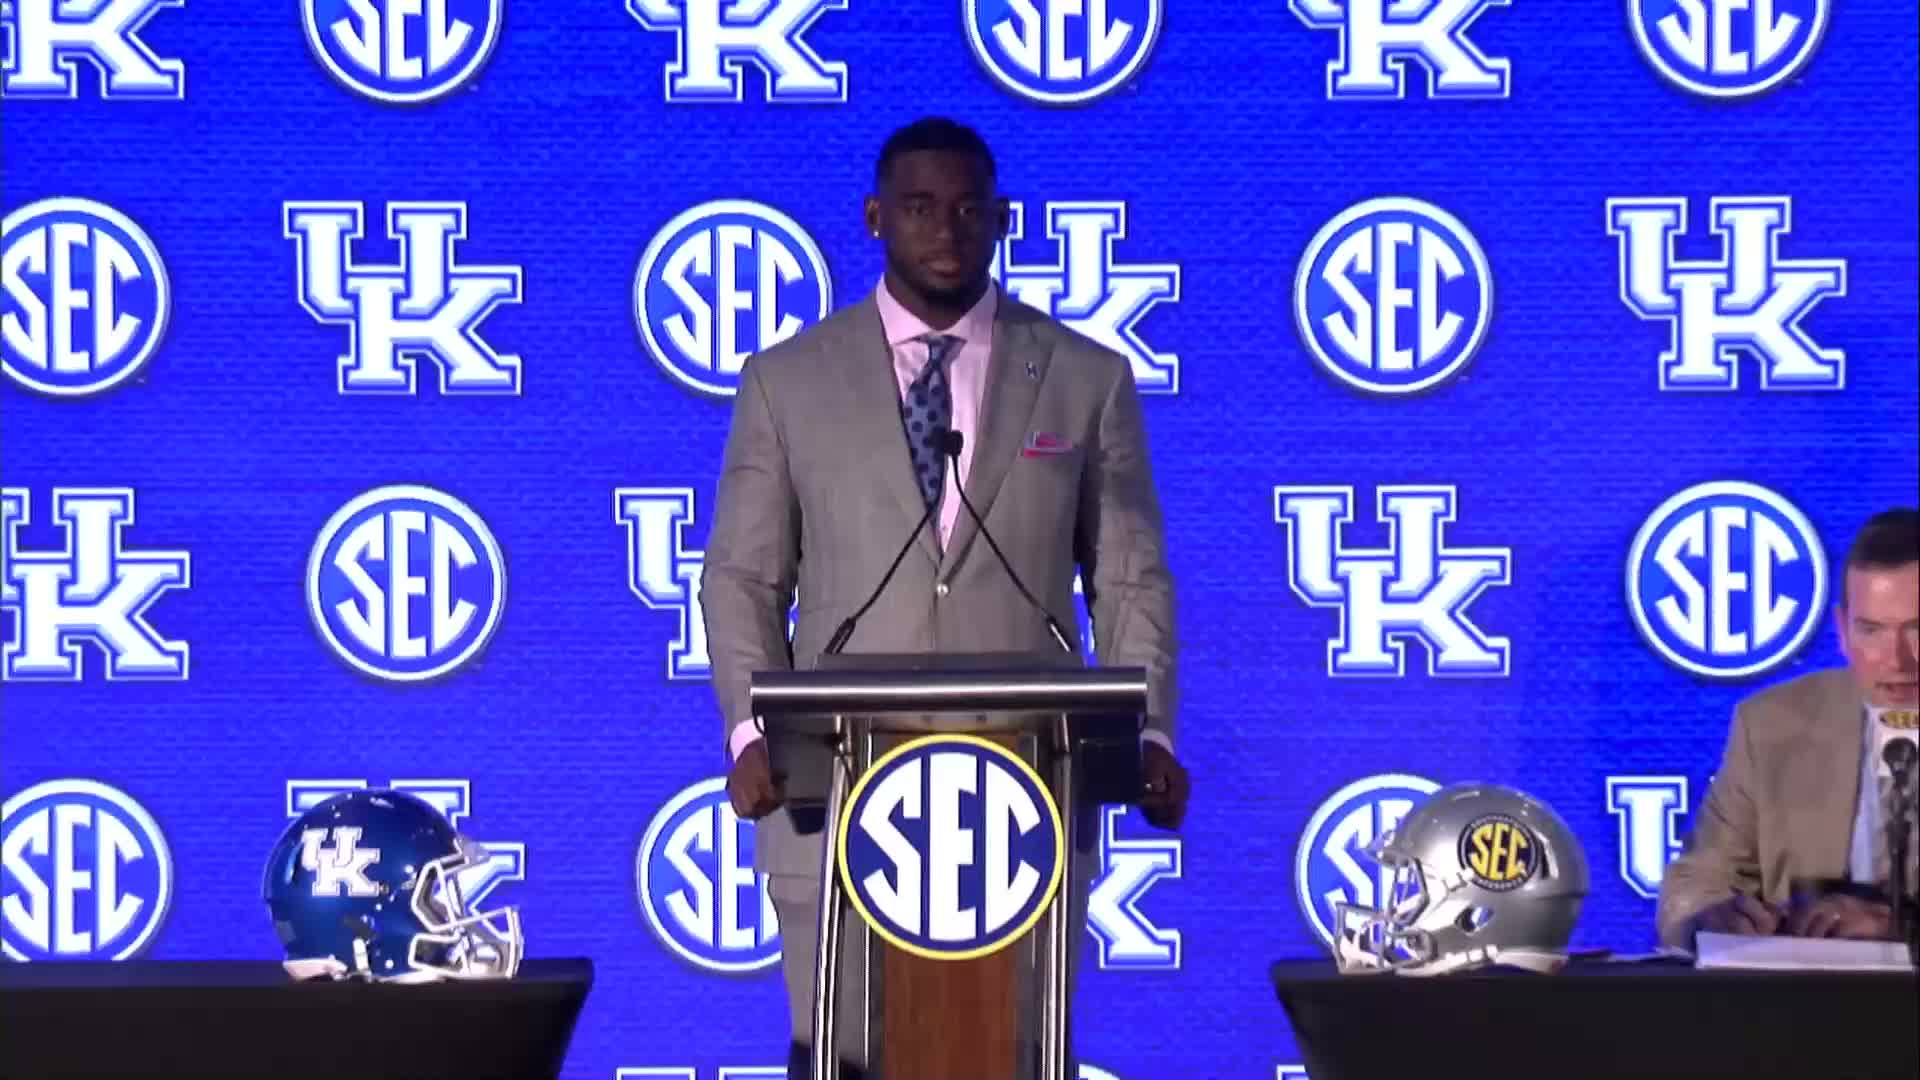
(721, 282)
(85, 873)
(1062, 52)
(1393, 296)
(1727, 580)
(1330, 867)
(697, 887)
(1500, 852)
(406, 583)
(402, 52)
(1727, 48)
(951, 847)
(85, 299)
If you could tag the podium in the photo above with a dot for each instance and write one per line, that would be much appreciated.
(1078, 728)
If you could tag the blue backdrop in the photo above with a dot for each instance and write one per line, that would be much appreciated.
(1498, 300)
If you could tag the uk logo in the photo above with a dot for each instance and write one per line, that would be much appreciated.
(95, 590)
(1127, 939)
(717, 40)
(85, 873)
(663, 572)
(1416, 588)
(43, 42)
(1393, 296)
(84, 297)
(697, 887)
(1089, 289)
(402, 52)
(337, 862)
(1727, 48)
(1747, 302)
(1062, 52)
(950, 847)
(1727, 580)
(1381, 39)
(721, 282)
(406, 584)
(1649, 810)
(1329, 865)
(427, 307)
(338, 859)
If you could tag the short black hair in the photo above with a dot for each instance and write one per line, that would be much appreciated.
(932, 133)
(1890, 539)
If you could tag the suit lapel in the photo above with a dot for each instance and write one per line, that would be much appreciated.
(1010, 396)
(875, 419)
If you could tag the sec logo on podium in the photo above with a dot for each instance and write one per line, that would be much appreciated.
(950, 847)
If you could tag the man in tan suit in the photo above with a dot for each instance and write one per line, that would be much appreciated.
(834, 455)
(1795, 802)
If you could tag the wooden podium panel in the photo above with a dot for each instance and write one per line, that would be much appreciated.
(951, 1019)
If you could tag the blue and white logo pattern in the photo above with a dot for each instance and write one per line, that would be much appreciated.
(42, 43)
(1330, 865)
(1063, 52)
(1090, 290)
(1418, 587)
(454, 800)
(1649, 810)
(94, 590)
(429, 306)
(402, 52)
(663, 572)
(405, 583)
(1727, 48)
(721, 282)
(1749, 301)
(950, 847)
(1393, 296)
(1127, 939)
(1379, 39)
(1727, 580)
(85, 873)
(84, 297)
(697, 887)
(717, 40)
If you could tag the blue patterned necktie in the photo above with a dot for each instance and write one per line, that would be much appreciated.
(927, 411)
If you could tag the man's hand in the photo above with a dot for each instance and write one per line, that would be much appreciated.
(750, 784)
(1165, 802)
(1838, 915)
(1740, 914)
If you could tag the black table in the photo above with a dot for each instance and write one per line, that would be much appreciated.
(212, 1020)
(1608, 1021)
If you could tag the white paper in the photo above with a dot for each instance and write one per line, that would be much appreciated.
(1786, 953)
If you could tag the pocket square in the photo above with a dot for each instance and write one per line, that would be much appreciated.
(1045, 444)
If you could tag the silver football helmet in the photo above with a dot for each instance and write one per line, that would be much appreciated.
(1481, 875)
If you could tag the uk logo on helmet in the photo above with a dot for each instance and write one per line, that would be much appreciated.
(697, 887)
(950, 847)
(1500, 852)
(721, 282)
(84, 300)
(43, 41)
(85, 873)
(1727, 48)
(1328, 867)
(340, 861)
(1393, 296)
(1727, 580)
(405, 583)
(402, 52)
(1063, 52)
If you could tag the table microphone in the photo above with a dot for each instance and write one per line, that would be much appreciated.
(1896, 733)
(845, 630)
(950, 443)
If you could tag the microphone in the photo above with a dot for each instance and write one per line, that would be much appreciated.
(845, 630)
(950, 443)
(1897, 738)
(1897, 735)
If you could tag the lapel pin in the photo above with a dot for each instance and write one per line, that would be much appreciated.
(1032, 371)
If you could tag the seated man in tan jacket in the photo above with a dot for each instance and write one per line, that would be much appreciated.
(1791, 838)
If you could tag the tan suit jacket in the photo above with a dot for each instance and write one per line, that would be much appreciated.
(1781, 807)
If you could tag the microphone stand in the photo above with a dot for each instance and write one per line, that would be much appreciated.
(1899, 826)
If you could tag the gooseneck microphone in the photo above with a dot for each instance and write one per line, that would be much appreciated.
(1898, 753)
(845, 630)
(950, 444)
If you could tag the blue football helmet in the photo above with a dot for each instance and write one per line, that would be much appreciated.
(366, 885)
